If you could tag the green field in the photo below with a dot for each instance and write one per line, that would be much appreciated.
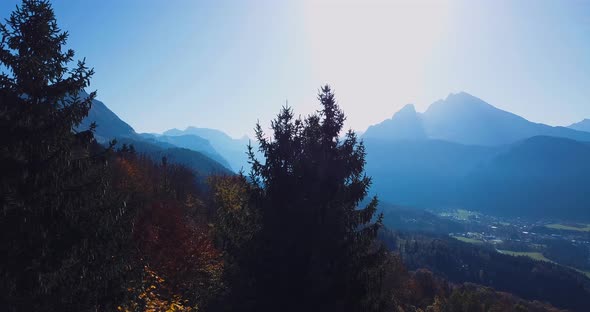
(533, 255)
(587, 273)
(538, 256)
(559, 226)
(468, 240)
(460, 214)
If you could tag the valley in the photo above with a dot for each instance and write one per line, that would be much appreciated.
(559, 242)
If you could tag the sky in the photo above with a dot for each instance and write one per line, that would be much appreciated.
(228, 64)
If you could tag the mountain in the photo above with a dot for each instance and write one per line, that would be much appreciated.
(463, 118)
(234, 150)
(110, 126)
(191, 142)
(201, 164)
(583, 125)
(421, 173)
(405, 124)
(541, 177)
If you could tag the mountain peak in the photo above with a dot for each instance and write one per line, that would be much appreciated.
(466, 119)
(461, 94)
(583, 125)
(406, 124)
(463, 99)
(408, 109)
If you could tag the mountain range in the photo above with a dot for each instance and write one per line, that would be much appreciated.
(463, 118)
(465, 153)
(460, 153)
(234, 150)
(192, 151)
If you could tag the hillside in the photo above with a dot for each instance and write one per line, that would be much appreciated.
(583, 125)
(421, 173)
(507, 180)
(541, 177)
(233, 150)
(108, 125)
(201, 164)
(184, 150)
(191, 142)
(461, 262)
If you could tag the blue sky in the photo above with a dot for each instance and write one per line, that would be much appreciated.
(226, 64)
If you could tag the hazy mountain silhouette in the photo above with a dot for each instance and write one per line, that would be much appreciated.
(583, 125)
(110, 126)
(233, 150)
(189, 141)
(405, 124)
(465, 119)
(421, 173)
(201, 164)
(541, 176)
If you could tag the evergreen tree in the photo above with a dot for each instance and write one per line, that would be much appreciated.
(317, 248)
(63, 231)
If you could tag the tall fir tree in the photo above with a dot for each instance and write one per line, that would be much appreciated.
(317, 249)
(63, 231)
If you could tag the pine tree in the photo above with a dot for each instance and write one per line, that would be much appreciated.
(63, 231)
(317, 248)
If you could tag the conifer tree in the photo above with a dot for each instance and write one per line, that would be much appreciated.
(317, 248)
(62, 228)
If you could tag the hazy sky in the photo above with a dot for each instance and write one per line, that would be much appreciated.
(226, 64)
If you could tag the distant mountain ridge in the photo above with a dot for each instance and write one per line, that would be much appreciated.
(463, 118)
(111, 127)
(406, 124)
(583, 125)
(464, 153)
(234, 150)
(191, 142)
(540, 177)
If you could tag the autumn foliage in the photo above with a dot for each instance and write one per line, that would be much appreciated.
(181, 266)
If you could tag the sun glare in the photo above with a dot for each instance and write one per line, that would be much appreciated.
(365, 48)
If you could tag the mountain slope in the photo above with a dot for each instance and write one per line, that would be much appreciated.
(109, 125)
(233, 150)
(198, 162)
(541, 177)
(466, 119)
(406, 124)
(583, 125)
(191, 142)
(420, 173)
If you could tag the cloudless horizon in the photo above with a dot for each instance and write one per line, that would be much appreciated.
(227, 64)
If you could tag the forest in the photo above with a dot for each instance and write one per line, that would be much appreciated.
(86, 227)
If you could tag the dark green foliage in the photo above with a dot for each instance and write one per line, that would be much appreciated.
(316, 248)
(237, 222)
(422, 290)
(201, 164)
(63, 231)
(459, 262)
